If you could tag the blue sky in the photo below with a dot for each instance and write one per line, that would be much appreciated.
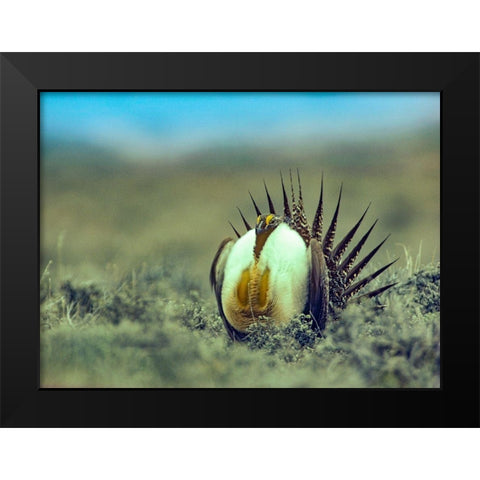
(164, 123)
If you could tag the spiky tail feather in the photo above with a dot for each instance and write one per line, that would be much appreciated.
(340, 288)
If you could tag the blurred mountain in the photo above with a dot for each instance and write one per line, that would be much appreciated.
(361, 150)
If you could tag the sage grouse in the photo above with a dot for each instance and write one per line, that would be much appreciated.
(284, 267)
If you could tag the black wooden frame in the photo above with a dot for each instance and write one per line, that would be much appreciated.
(23, 76)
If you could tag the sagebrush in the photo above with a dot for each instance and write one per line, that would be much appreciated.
(156, 327)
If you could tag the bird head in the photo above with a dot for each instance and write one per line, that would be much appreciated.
(267, 223)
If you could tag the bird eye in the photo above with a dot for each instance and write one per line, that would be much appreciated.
(269, 218)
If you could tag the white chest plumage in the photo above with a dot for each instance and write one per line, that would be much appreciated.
(284, 286)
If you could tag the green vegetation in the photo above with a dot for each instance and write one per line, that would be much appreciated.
(154, 329)
(125, 299)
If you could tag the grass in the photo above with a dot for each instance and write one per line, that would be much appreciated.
(125, 300)
(125, 217)
(154, 329)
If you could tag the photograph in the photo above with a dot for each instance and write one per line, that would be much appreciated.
(239, 239)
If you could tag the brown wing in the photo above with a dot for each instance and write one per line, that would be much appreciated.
(216, 280)
(319, 288)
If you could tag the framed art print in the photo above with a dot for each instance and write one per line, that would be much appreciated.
(239, 239)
